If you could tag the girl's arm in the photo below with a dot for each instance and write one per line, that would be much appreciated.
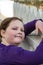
(30, 26)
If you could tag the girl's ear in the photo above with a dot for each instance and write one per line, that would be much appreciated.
(2, 33)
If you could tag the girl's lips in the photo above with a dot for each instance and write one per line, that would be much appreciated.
(19, 36)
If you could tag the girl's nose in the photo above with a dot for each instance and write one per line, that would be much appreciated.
(19, 32)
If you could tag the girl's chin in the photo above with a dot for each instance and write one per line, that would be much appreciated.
(18, 40)
(17, 43)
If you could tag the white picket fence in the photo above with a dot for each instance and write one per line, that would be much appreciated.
(27, 13)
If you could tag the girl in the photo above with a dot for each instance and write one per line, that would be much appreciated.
(12, 33)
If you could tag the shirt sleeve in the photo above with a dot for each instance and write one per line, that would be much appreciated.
(14, 54)
(30, 26)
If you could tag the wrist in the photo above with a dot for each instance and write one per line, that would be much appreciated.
(40, 20)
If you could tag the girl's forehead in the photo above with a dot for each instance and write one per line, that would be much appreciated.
(16, 23)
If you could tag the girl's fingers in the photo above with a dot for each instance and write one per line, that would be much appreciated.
(36, 30)
(39, 26)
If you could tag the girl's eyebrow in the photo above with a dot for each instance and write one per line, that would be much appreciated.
(18, 27)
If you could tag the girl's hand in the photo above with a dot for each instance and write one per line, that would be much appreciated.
(39, 27)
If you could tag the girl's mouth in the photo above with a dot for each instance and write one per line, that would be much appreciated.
(19, 36)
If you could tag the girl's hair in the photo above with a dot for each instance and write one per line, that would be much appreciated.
(5, 23)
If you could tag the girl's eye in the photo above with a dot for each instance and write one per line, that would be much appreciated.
(14, 28)
(22, 30)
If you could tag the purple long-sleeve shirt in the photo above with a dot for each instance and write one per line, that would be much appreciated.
(13, 55)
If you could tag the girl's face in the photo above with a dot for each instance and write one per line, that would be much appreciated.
(14, 34)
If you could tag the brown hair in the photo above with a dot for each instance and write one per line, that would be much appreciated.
(5, 23)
